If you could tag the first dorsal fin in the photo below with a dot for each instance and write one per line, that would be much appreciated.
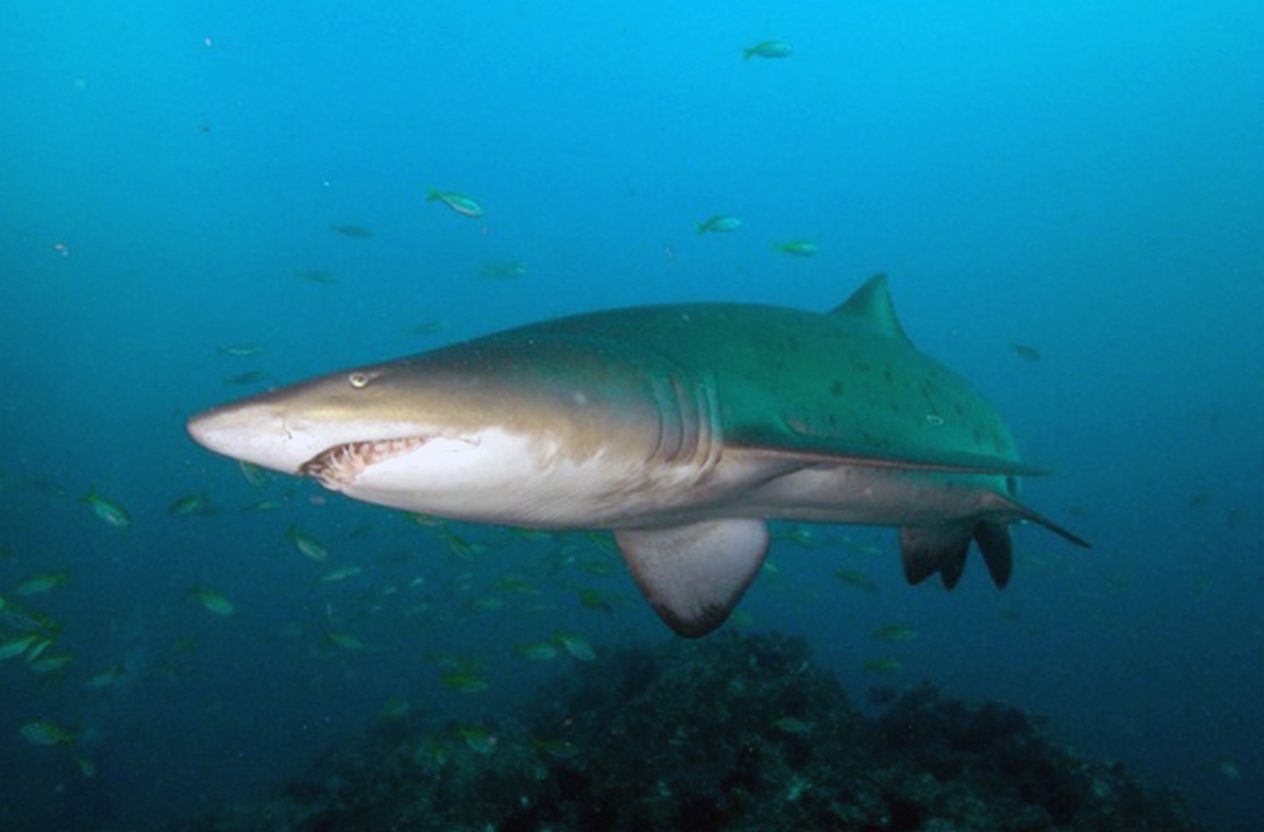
(870, 306)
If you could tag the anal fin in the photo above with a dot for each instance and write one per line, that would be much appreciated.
(694, 575)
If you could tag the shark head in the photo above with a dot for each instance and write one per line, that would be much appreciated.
(468, 434)
(334, 427)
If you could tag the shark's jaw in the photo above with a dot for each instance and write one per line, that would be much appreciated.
(340, 466)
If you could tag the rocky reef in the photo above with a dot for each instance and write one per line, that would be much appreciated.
(738, 732)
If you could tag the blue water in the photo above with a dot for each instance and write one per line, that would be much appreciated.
(1083, 178)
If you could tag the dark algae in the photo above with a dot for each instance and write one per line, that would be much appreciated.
(738, 732)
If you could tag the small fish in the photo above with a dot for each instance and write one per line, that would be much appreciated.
(513, 583)
(792, 725)
(883, 667)
(540, 651)
(796, 534)
(1199, 500)
(578, 647)
(435, 750)
(893, 632)
(719, 224)
(1025, 352)
(798, 248)
(856, 578)
(256, 476)
(248, 377)
(43, 732)
(39, 584)
(1234, 517)
(111, 511)
(190, 504)
(213, 601)
(317, 276)
(395, 709)
(597, 568)
(106, 679)
(309, 546)
(340, 574)
(345, 641)
(460, 203)
(603, 541)
(239, 350)
(768, 49)
(37, 648)
(1229, 770)
(261, 506)
(428, 328)
(15, 646)
(503, 269)
(459, 546)
(86, 767)
(465, 681)
(356, 232)
(487, 603)
(557, 748)
(47, 665)
(26, 621)
(866, 549)
(593, 599)
(428, 521)
(479, 740)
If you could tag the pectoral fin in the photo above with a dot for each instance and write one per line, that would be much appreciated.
(694, 575)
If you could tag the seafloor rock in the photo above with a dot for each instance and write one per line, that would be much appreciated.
(733, 733)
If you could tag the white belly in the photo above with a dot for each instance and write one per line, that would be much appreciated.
(503, 478)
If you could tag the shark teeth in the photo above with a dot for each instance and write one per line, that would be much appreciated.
(338, 467)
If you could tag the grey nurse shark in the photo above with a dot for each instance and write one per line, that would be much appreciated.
(683, 428)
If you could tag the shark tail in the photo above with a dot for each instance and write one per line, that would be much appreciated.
(927, 550)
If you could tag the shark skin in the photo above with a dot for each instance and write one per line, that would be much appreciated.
(683, 428)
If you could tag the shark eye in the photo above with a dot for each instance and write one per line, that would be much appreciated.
(358, 380)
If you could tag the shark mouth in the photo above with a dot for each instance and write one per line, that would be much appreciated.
(337, 467)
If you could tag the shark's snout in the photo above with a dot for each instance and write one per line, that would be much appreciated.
(254, 432)
(205, 429)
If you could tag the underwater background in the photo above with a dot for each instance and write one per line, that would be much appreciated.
(200, 201)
